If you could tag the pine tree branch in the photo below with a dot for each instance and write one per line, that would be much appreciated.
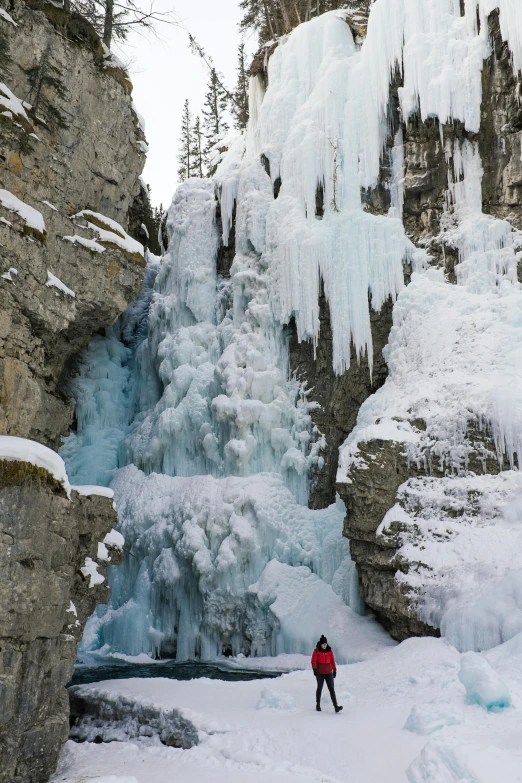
(197, 49)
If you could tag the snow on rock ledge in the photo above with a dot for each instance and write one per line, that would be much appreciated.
(101, 715)
(93, 489)
(31, 216)
(55, 282)
(114, 539)
(22, 450)
(109, 233)
(90, 571)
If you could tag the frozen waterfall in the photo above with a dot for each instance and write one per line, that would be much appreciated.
(191, 392)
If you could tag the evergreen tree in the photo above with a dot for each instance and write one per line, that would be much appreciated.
(185, 149)
(257, 16)
(46, 84)
(239, 107)
(198, 159)
(216, 99)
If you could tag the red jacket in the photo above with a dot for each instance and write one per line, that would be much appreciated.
(323, 661)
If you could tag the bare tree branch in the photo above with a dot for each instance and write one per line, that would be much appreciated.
(116, 18)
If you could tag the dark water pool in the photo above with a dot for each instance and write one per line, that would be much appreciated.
(175, 671)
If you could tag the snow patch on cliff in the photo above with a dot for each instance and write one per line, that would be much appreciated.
(23, 450)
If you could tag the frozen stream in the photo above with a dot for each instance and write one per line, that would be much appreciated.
(168, 669)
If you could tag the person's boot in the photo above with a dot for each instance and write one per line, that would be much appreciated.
(337, 708)
(318, 706)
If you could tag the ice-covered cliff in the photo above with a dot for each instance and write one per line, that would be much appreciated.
(375, 176)
(426, 473)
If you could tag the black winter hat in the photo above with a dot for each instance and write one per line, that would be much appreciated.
(323, 640)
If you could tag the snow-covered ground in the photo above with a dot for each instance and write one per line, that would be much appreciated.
(408, 718)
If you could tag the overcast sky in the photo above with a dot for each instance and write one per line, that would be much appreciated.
(164, 73)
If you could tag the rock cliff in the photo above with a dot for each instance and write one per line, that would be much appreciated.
(71, 152)
(45, 537)
(70, 141)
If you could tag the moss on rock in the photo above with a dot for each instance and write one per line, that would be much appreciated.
(17, 473)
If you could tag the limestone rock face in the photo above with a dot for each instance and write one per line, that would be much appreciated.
(44, 604)
(70, 142)
(383, 466)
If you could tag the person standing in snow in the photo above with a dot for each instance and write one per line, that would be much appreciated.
(323, 665)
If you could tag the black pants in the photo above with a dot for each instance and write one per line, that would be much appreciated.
(329, 680)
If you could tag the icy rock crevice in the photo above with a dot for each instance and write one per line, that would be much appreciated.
(339, 397)
(106, 393)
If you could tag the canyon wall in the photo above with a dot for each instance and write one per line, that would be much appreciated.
(79, 147)
(71, 153)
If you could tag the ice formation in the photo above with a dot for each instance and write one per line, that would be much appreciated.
(470, 762)
(482, 683)
(191, 391)
(276, 700)
(217, 561)
(447, 85)
(428, 718)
